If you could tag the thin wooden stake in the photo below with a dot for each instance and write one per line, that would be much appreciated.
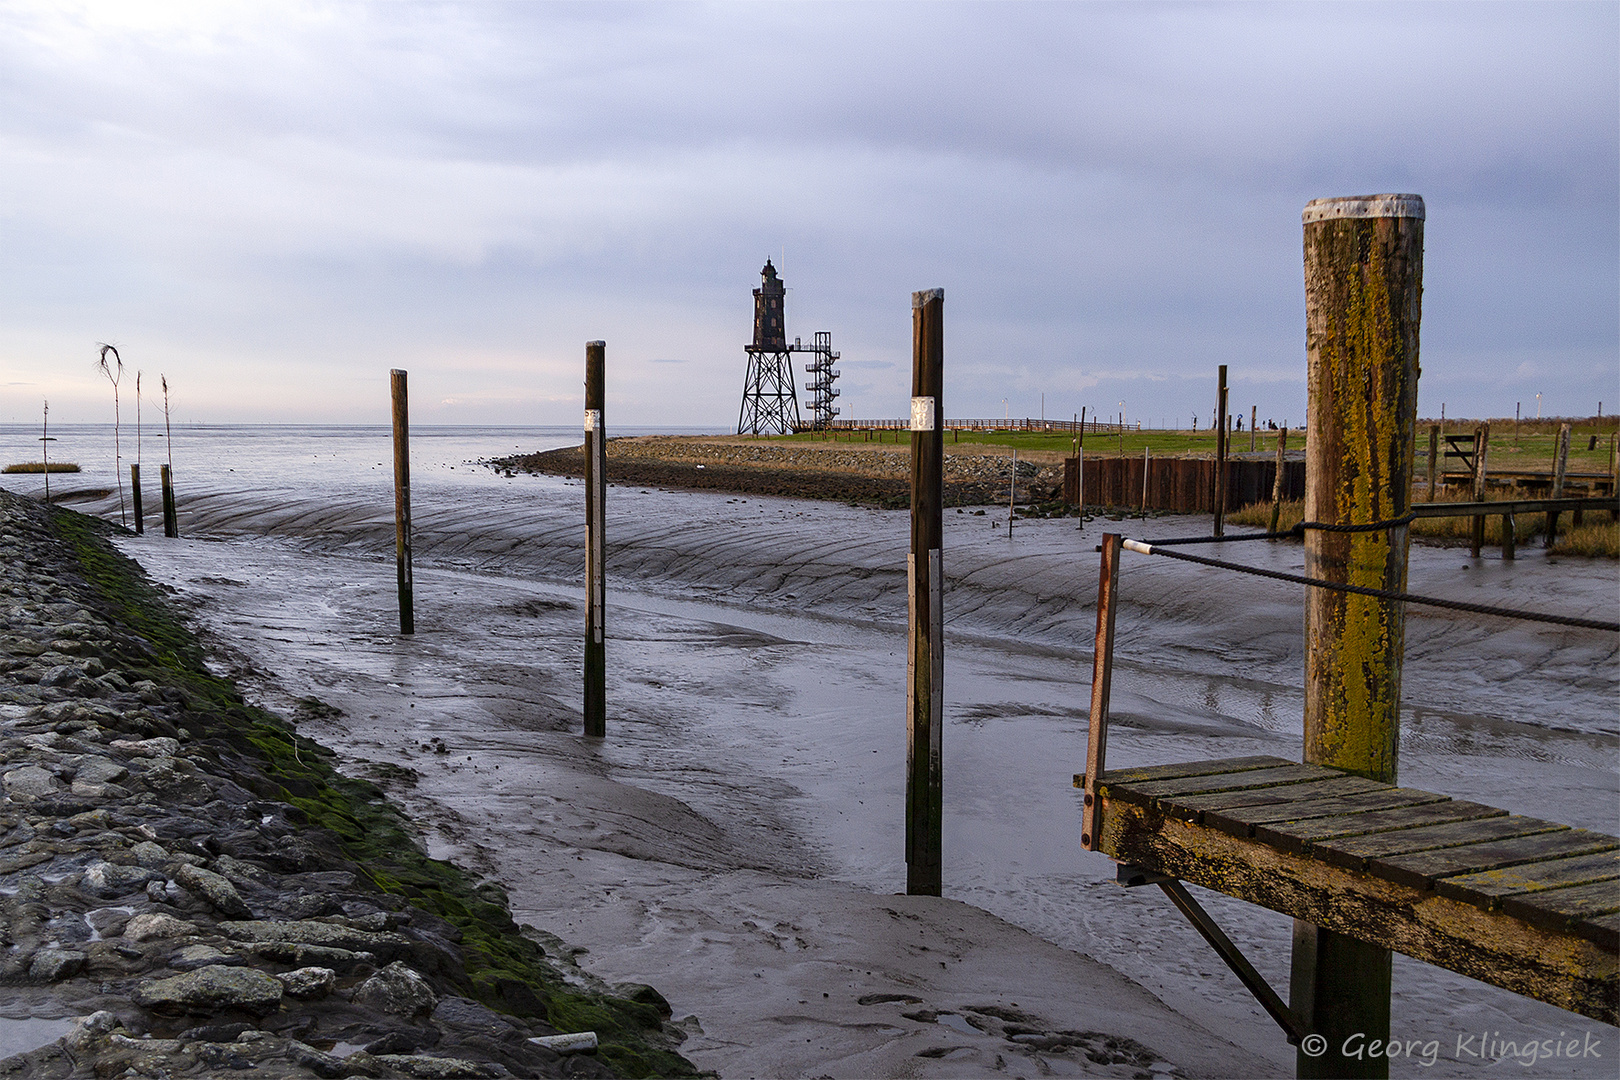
(1221, 440)
(1434, 459)
(1363, 289)
(925, 646)
(1146, 458)
(402, 502)
(1254, 418)
(1012, 493)
(1277, 480)
(1509, 540)
(1102, 674)
(595, 542)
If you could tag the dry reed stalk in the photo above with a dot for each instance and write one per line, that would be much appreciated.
(118, 457)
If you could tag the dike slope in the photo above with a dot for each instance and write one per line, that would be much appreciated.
(189, 888)
(846, 472)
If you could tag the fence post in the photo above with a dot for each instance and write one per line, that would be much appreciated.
(595, 543)
(402, 503)
(171, 519)
(1102, 673)
(1434, 458)
(1277, 481)
(1560, 471)
(1254, 416)
(1147, 454)
(1482, 446)
(1510, 542)
(135, 490)
(1363, 290)
(925, 644)
(1221, 440)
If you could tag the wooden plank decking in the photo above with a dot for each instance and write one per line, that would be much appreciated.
(1529, 905)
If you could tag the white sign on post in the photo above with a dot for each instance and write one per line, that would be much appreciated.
(922, 414)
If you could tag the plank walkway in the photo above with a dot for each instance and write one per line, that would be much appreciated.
(1521, 903)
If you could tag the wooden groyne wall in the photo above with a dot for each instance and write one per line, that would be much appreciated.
(1183, 485)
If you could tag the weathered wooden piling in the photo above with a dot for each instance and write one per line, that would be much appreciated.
(1102, 669)
(1363, 289)
(1560, 472)
(135, 491)
(1254, 425)
(925, 644)
(1482, 448)
(1277, 483)
(402, 502)
(595, 542)
(171, 520)
(1434, 459)
(1221, 442)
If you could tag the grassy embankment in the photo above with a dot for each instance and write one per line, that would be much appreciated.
(39, 467)
(1600, 539)
(504, 970)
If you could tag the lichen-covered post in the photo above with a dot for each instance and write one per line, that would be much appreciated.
(1560, 469)
(1482, 449)
(1363, 304)
(1434, 459)
(925, 640)
(1277, 478)
(402, 501)
(595, 543)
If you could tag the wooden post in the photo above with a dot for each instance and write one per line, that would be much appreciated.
(1221, 441)
(1102, 673)
(1560, 471)
(1012, 493)
(402, 502)
(1147, 454)
(595, 542)
(1434, 459)
(135, 491)
(171, 520)
(1363, 296)
(1482, 445)
(1254, 417)
(1277, 481)
(925, 645)
(1510, 542)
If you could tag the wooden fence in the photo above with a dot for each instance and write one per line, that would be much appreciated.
(1184, 485)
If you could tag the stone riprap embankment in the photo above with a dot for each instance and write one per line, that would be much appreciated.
(845, 471)
(189, 888)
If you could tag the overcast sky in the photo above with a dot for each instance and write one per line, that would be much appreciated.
(275, 203)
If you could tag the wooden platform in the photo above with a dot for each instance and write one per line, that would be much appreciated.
(1528, 905)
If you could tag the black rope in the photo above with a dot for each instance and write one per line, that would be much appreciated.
(1382, 594)
(1297, 532)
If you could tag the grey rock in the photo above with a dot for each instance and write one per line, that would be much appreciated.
(62, 675)
(54, 965)
(472, 1018)
(300, 955)
(397, 990)
(108, 880)
(90, 1029)
(150, 855)
(217, 890)
(210, 990)
(433, 1068)
(31, 782)
(100, 770)
(156, 926)
(193, 957)
(315, 932)
(107, 922)
(309, 982)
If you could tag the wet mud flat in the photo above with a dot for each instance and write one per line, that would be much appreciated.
(876, 473)
(735, 838)
(190, 888)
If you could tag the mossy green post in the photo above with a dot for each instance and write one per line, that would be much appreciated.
(1363, 305)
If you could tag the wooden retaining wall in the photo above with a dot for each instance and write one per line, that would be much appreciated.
(1184, 485)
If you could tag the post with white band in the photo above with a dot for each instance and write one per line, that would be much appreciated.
(595, 543)
(925, 642)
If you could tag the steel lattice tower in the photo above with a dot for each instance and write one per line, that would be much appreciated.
(770, 401)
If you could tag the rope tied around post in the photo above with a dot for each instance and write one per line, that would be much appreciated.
(1145, 548)
(1296, 533)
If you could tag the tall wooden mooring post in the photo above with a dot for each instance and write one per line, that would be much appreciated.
(1363, 305)
(595, 542)
(925, 641)
(402, 501)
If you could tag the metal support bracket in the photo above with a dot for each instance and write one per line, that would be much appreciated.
(1131, 876)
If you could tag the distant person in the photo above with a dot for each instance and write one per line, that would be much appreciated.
(1240, 423)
